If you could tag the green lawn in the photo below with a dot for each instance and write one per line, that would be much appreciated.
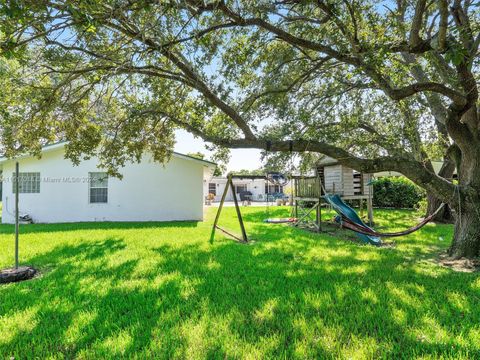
(157, 290)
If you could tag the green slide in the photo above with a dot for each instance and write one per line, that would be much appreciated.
(346, 211)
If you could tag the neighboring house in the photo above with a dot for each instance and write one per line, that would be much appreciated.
(52, 189)
(258, 188)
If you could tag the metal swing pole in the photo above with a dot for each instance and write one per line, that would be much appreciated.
(17, 224)
(267, 208)
(319, 208)
(295, 198)
(268, 146)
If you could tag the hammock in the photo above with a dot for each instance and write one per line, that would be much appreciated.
(347, 223)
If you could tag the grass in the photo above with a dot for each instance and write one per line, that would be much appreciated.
(161, 290)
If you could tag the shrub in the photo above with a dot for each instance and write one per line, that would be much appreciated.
(396, 192)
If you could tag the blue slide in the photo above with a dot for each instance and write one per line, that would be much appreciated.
(344, 210)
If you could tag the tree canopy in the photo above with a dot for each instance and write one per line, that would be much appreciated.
(219, 169)
(378, 85)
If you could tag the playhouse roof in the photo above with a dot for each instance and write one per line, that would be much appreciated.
(327, 160)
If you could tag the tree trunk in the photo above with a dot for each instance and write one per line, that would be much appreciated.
(445, 215)
(466, 241)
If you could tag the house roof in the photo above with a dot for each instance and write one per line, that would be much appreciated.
(61, 144)
(188, 157)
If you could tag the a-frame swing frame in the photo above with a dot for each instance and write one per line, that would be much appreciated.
(244, 238)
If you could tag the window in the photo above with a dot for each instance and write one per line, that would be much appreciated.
(98, 187)
(271, 189)
(240, 188)
(212, 188)
(28, 182)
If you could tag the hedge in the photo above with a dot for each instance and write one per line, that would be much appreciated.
(396, 192)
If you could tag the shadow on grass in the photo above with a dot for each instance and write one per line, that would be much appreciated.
(312, 297)
(60, 227)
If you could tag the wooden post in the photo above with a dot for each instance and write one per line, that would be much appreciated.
(16, 214)
(228, 185)
(369, 199)
(319, 217)
(220, 206)
(370, 209)
(239, 214)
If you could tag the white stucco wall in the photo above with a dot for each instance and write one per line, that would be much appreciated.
(148, 191)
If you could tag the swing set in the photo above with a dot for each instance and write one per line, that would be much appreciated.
(271, 178)
(229, 186)
(308, 196)
(274, 178)
(346, 218)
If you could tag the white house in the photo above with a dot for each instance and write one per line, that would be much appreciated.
(52, 189)
(257, 186)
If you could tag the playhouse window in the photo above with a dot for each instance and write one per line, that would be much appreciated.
(28, 182)
(98, 187)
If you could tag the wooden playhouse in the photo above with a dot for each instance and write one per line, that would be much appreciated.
(334, 178)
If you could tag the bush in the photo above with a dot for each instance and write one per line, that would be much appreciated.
(396, 192)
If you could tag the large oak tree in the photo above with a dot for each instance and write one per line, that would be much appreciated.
(378, 85)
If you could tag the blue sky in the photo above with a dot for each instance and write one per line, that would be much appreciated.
(239, 159)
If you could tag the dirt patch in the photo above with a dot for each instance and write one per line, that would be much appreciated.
(460, 265)
(336, 231)
(388, 244)
(21, 273)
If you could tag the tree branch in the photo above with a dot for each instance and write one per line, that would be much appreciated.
(417, 23)
(414, 170)
(442, 26)
(189, 72)
(383, 83)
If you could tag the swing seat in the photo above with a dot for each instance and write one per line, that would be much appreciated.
(280, 220)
